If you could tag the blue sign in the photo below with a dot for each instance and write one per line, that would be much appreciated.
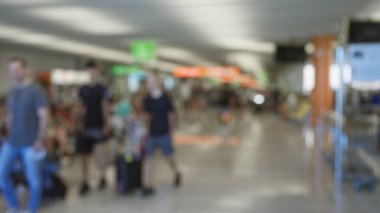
(365, 62)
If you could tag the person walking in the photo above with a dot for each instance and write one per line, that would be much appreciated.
(160, 119)
(94, 108)
(28, 116)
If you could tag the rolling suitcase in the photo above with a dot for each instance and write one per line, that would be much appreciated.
(128, 174)
(57, 189)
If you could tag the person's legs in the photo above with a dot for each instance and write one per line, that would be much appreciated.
(167, 147)
(85, 167)
(172, 163)
(148, 172)
(85, 160)
(168, 150)
(32, 174)
(8, 154)
(148, 169)
(102, 159)
(84, 149)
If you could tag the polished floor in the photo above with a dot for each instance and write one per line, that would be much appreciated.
(267, 169)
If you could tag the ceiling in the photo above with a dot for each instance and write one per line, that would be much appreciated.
(198, 32)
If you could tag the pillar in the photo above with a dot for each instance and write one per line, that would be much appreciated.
(322, 99)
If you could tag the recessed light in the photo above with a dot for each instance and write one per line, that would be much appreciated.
(83, 20)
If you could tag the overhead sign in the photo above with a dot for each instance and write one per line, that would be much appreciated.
(70, 77)
(221, 73)
(226, 73)
(365, 62)
(143, 50)
(364, 32)
(188, 72)
(124, 70)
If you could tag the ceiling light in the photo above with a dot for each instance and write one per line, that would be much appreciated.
(181, 3)
(166, 66)
(29, 37)
(209, 21)
(182, 55)
(248, 62)
(25, 36)
(82, 19)
(366, 86)
(27, 2)
(334, 76)
(247, 45)
(308, 78)
(19, 35)
(259, 99)
(217, 12)
(309, 48)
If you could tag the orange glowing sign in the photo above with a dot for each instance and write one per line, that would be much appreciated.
(225, 73)
(188, 72)
(222, 73)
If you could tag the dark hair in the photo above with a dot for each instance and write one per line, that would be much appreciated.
(21, 60)
(91, 65)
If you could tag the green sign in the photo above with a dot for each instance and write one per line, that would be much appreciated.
(125, 70)
(263, 78)
(143, 50)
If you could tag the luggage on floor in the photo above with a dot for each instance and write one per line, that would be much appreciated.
(54, 188)
(128, 174)
(364, 183)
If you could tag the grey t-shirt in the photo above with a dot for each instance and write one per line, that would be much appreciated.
(23, 105)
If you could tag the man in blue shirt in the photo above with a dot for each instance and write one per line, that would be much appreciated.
(27, 108)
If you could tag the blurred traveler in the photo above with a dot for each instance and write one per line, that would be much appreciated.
(129, 159)
(186, 93)
(62, 112)
(27, 107)
(56, 135)
(119, 112)
(135, 130)
(226, 116)
(276, 98)
(95, 108)
(225, 97)
(226, 102)
(56, 144)
(160, 116)
(123, 108)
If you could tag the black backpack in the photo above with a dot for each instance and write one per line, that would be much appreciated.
(58, 189)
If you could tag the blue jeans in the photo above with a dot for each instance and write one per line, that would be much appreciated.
(31, 170)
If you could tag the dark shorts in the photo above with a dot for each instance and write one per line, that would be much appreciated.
(87, 141)
(85, 145)
(162, 143)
